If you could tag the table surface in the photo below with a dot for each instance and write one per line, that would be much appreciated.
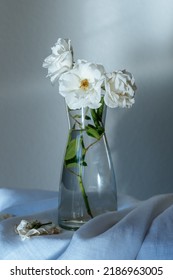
(137, 230)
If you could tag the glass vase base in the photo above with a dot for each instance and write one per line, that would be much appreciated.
(71, 224)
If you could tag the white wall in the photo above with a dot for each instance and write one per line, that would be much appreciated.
(136, 35)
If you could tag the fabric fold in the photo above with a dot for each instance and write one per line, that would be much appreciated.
(121, 235)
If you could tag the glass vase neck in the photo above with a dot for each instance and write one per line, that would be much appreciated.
(78, 119)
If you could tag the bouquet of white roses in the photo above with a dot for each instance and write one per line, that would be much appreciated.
(86, 85)
(83, 83)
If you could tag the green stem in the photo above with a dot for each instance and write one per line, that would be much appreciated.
(49, 223)
(82, 188)
(81, 185)
(38, 225)
(76, 121)
(89, 146)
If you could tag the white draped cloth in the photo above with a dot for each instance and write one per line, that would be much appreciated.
(137, 230)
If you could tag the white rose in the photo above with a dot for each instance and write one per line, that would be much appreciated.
(119, 89)
(61, 59)
(81, 86)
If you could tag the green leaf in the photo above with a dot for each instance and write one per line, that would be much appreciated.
(92, 131)
(77, 116)
(71, 164)
(75, 151)
(95, 117)
(75, 162)
(100, 130)
(87, 118)
(100, 109)
(82, 144)
(71, 150)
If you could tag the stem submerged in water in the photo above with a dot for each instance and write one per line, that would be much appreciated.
(87, 122)
(82, 188)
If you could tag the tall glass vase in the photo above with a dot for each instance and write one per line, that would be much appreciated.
(87, 186)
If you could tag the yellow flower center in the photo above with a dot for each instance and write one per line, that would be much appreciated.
(84, 84)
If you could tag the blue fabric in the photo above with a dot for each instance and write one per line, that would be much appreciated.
(137, 230)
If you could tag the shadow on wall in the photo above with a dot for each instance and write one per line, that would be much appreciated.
(142, 143)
